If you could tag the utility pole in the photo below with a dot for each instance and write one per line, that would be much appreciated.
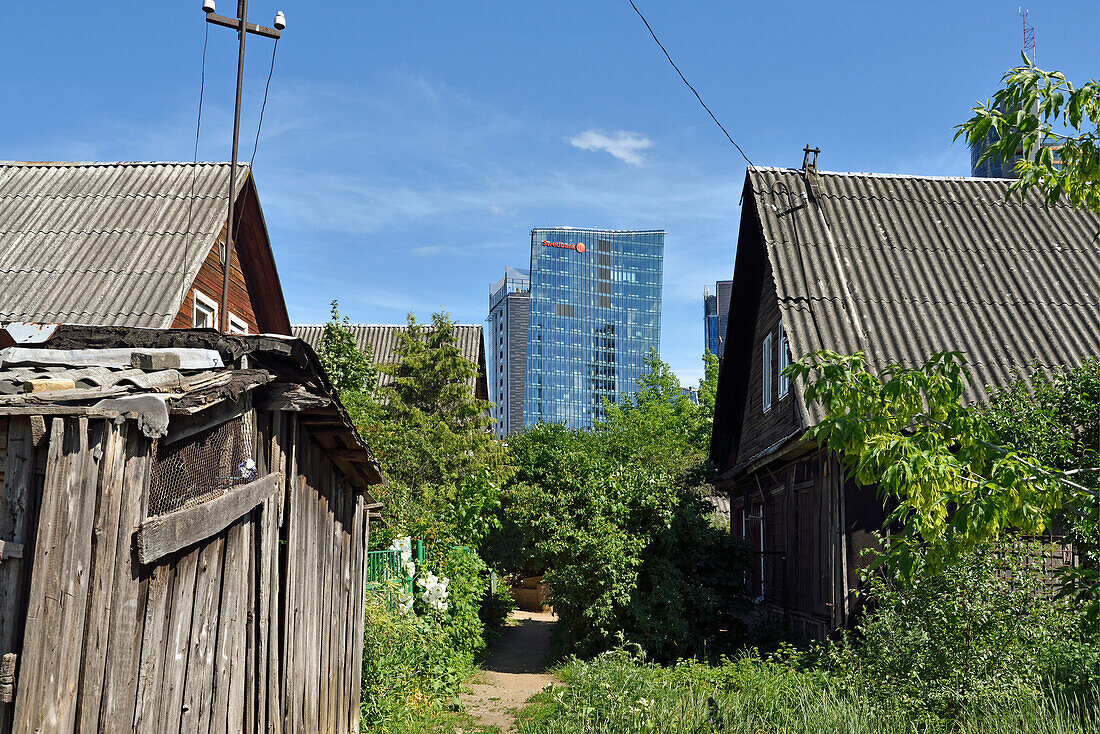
(243, 28)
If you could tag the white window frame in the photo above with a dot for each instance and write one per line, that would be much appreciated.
(766, 365)
(207, 303)
(784, 363)
(237, 325)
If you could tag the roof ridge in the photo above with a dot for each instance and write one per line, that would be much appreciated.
(76, 164)
(873, 174)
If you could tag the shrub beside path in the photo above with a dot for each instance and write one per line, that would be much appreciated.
(513, 672)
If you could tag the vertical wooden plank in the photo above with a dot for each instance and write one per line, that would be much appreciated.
(327, 591)
(59, 582)
(229, 659)
(346, 643)
(312, 570)
(335, 593)
(198, 697)
(18, 521)
(362, 544)
(267, 704)
(105, 539)
(149, 707)
(293, 678)
(278, 579)
(181, 595)
(128, 592)
(354, 665)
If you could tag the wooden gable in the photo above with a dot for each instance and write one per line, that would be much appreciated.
(255, 294)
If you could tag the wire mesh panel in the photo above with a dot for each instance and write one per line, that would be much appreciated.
(201, 467)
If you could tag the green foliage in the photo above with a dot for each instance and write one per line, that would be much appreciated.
(620, 693)
(350, 369)
(1056, 417)
(1033, 110)
(963, 637)
(408, 666)
(617, 517)
(431, 436)
(905, 430)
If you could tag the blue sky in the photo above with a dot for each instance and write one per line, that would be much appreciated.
(408, 148)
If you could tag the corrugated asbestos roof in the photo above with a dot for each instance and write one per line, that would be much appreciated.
(905, 266)
(106, 243)
(382, 341)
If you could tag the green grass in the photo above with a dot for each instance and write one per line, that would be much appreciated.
(616, 694)
(430, 719)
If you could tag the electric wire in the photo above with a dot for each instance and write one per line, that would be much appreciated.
(198, 127)
(270, 71)
(684, 79)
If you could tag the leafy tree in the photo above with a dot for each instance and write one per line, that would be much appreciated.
(1033, 111)
(617, 516)
(906, 431)
(349, 368)
(1055, 416)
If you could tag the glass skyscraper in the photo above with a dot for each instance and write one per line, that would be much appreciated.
(716, 314)
(594, 312)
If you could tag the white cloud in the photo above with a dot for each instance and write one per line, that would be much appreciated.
(622, 144)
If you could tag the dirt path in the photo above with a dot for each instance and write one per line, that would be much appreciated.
(513, 672)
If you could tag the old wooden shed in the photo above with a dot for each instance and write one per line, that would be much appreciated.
(183, 530)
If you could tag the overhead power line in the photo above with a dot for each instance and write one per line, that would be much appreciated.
(198, 127)
(256, 145)
(677, 68)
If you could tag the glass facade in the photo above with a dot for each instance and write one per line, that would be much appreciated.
(716, 312)
(595, 312)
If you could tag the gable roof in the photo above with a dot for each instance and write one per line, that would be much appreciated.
(906, 266)
(109, 243)
(382, 341)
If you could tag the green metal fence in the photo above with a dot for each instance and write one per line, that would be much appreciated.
(385, 573)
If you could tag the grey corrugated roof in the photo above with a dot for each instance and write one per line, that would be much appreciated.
(382, 341)
(905, 266)
(106, 243)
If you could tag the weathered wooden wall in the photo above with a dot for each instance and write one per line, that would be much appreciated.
(257, 628)
(808, 564)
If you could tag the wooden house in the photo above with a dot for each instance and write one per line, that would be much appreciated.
(381, 342)
(901, 267)
(183, 528)
(134, 244)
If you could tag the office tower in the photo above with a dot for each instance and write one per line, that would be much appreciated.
(716, 312)
(593, 300)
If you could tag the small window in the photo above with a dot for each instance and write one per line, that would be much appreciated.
(767, 372)
(206, 312)
(237, 325)
(784, 363)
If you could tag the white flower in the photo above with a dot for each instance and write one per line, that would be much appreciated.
(402, 545)
(405, 599)
(410, 569)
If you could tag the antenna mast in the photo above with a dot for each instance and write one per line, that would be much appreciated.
(1029, 36)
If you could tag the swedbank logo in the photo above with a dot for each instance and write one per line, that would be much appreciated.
(579, 246)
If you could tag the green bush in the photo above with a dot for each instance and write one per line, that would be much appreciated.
(616, 517)
(963, 638)
(408, 665)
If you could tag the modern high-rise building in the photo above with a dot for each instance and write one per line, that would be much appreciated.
(506, 348)
(716, 313)
(593, 302)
